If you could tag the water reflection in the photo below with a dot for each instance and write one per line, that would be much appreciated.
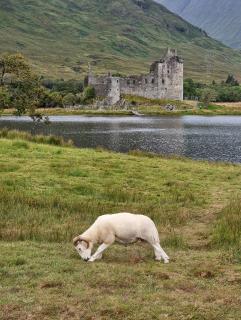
(212, 138)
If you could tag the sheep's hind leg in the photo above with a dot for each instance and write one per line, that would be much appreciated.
(160, 253)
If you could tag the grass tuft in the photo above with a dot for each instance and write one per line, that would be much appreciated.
(22, 135)
(175, 241)
(227, 231)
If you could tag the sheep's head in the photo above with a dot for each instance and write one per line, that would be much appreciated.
(83, 248)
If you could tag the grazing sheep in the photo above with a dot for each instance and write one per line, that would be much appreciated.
(124, 228)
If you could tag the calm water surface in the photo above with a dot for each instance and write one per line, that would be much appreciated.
(197, 137)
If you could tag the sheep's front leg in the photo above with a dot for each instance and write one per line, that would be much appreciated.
(99, 251)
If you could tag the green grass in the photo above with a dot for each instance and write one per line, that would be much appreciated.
(22, 135)
(48, 194)
(228, 227)
(119, 36)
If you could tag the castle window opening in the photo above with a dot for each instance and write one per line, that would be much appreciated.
(146, 81)
(153, 80)
(163, 81)
(134, 81)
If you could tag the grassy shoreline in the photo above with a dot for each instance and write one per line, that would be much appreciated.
(183, 108)
(49, 193)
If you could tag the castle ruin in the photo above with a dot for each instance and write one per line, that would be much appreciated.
(164, 81)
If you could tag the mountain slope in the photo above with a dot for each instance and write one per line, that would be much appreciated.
(221, 19)
(61, 36)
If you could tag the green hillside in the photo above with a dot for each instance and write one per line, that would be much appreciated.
(60, 37)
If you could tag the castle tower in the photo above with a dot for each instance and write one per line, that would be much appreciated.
(170, 76)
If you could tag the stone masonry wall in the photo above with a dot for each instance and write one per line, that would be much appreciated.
(106, 87)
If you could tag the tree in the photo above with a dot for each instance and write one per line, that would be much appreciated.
(13, 64)
(232, 81)
(207, 95)
(25, 94)
(21, 84)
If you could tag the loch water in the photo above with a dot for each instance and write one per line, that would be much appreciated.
(216, 138)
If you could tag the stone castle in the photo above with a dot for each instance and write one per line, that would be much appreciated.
(164, 81)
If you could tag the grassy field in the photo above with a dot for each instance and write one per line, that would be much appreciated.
(48, 194)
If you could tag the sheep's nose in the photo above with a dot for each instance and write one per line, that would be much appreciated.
(86, 259)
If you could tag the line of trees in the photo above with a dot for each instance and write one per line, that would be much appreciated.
(226, 91)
